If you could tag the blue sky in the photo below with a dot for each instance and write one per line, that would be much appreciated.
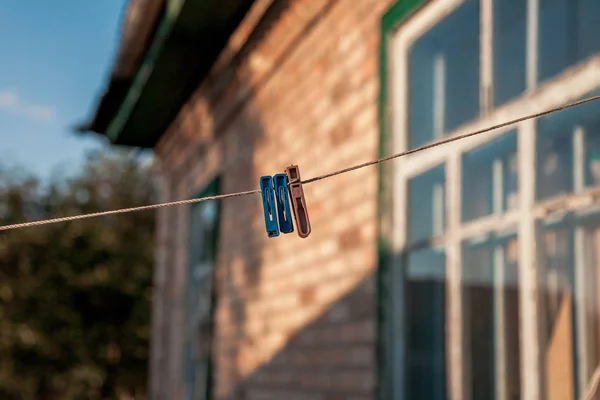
(55, 57)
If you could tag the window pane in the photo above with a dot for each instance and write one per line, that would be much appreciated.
(491, 317)
(444, 76)
(556, 146)
(509, 47)
(425, 318)
(588, 312)
(592, 153)
(554, 163)
(426, 205)
(587, 27)
(570, 304)
(557, 312)
(510, 316)
(490, 178)
(568, 33)
(478, 317)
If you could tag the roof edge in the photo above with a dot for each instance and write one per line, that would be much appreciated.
(192, 40)
(165, 27)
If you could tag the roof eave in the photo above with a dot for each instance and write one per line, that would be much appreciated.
(189, 37)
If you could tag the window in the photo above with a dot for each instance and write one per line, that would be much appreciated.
(567, 151)
(568, 33)
(490, 178)
(588, 312)
(557, 311)
(203, 233)
(426, 205)
(555, 159)
(444, 66)
(425, 314)
(592, 153)
(424, 288)
(473, 239)
(490, 279)
(570, 306)
(478, 305)
(444, 76)
(509, 49)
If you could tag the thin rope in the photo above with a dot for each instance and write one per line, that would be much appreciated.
(125, 210)
(311, 180)
(452, 139)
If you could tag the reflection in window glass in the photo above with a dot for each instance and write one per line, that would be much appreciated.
(510, 316)
(426, 199)
(478, 303)
(570, 304)
(510, 182)
(444, 76)
(491, 317)
(557, 312)
(509, 47)
(425, 319)
(555, 162)
(490, 178)
(592, 153)
(202, 226)
(568, 34)
(202, 257)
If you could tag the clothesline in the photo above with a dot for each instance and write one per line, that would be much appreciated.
(307, 181)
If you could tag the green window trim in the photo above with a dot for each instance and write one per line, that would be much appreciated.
(398, 13)
(190, 367)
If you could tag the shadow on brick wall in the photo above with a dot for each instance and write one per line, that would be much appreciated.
(242, 242)
(330, 358)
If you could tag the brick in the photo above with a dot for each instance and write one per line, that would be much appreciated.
(301, 305)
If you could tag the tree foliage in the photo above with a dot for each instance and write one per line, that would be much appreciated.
(75, 297)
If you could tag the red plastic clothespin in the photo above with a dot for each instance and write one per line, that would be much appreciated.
(298, 201)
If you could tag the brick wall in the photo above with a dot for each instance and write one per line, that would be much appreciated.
(295, 318)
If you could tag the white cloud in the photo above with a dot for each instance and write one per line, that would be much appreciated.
(8, 99)
(11, 102)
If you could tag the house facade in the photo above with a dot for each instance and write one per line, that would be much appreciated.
(465, 271)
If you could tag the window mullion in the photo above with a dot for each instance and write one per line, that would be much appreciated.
(530, 349)
(532, 43)
(456, 349)
(439, 96)
(578, 159)
(584, 339)
(497, 186)
(438, 210)
(583, 356)
(499, 324)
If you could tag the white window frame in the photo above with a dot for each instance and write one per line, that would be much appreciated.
(570, 85)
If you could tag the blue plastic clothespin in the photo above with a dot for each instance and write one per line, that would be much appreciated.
(268, 198)
(284, 213)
